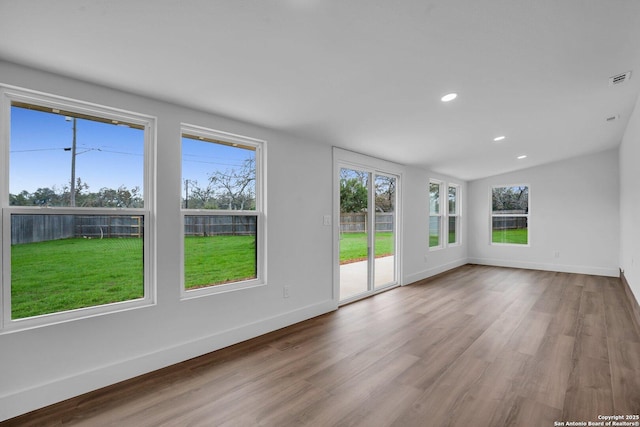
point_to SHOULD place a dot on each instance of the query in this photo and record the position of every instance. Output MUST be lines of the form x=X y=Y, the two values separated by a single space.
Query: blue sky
x=107 y=155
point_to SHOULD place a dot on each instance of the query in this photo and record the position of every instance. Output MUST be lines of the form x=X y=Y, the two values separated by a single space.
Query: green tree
x=46 y=197
x=510 y=199
x=353 y=195
x=122 y=197
x=21 y=199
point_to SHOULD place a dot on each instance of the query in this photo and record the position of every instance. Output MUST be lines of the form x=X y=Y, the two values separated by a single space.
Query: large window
x=222 y=211
x=510 y=215
x=435 y=214
x=453 y=213
x=75 y=198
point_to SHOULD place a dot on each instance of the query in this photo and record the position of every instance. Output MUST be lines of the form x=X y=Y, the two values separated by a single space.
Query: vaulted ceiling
x=365 y=75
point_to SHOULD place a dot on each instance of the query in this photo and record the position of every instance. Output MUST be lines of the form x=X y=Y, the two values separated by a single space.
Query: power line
x=37 y=149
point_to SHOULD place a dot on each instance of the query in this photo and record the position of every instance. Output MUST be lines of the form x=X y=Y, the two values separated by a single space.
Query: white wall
x=630 y=202
x=574 y=210
x=44 y=365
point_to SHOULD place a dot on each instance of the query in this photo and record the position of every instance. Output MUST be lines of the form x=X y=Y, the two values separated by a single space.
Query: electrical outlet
x=426 y=258
x=285 y=292
x=326 y=220
x=556 y=254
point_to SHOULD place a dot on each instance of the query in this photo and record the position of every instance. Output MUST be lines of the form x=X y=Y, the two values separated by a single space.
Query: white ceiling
x=365 y=75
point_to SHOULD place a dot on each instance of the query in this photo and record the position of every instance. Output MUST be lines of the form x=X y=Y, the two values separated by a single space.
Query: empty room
x=320 y=213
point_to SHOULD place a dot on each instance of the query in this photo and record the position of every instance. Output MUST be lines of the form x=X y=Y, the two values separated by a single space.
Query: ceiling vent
x=618 y=79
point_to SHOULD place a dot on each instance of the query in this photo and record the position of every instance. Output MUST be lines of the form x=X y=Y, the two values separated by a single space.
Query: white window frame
x=492 y=215
x=440 y=215
x=457 y=214
x=259 y=212
x=9 y=94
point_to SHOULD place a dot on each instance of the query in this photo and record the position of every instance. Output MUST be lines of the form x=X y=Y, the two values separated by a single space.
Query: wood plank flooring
x=479 y=346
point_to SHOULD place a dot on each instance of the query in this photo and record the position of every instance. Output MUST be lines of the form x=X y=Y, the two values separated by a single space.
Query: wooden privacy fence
x=31 y=228
x=39 y=228
x=509 y=222
x=217 y=225
x=357 y=222
x=108 y=226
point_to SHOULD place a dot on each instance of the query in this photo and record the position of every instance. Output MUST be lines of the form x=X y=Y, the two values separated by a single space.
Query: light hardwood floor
x=479 y=346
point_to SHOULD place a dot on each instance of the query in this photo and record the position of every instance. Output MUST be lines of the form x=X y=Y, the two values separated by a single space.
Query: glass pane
x=66 y=262
x=219 y=249
x=58 y=160
x=510 y=200
x=354 y=247
x=434 y=231
x=453 y=200
x=384 y=271
x=453 y=229
x=434 y=198
x=510 y=229
x=217 y=175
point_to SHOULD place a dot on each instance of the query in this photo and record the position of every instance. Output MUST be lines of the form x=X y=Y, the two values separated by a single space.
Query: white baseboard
x=434 y=271
x=579 y=269
x=23 y=401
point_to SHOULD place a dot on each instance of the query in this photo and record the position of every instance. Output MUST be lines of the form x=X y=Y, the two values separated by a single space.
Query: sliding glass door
x=368 y=225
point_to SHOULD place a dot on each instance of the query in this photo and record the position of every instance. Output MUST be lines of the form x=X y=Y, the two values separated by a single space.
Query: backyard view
x=66 y=274
x=510 y=215
x=220 y=203
x=61 y=260
x=354 y=216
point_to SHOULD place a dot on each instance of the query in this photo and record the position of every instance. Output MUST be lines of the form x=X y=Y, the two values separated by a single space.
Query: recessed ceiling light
x=522 y=157
x=499 y=138
x=449 y=97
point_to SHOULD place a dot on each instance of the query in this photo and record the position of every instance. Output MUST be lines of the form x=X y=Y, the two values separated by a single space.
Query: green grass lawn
x=353 y=246
x=60 y=275
x=234 y=260
x=518 y=236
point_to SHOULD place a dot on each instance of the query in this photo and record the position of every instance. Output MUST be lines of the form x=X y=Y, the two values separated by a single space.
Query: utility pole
x=186 y=193
x=72 y=196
